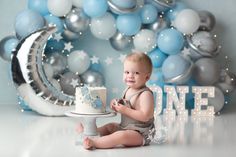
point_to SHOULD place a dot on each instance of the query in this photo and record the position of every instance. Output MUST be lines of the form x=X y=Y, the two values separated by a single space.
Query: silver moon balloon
x=30 y=79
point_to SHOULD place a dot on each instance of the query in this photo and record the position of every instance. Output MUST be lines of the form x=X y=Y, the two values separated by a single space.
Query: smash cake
x=90 y=100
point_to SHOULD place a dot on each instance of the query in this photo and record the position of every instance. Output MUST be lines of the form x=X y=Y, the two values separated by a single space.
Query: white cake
x=90 y=100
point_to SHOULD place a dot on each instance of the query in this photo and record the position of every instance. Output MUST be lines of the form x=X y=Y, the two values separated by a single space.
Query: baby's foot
x=80 y=128
x=88 y=143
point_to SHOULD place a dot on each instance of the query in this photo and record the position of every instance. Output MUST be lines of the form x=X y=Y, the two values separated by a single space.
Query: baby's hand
x=119 y=107
x=113 y=103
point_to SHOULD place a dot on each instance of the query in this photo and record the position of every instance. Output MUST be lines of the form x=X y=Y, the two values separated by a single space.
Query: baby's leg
x=108 y=129
x=124 y=137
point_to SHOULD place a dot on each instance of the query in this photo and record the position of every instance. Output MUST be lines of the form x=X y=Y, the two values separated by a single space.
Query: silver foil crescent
x=27 y=69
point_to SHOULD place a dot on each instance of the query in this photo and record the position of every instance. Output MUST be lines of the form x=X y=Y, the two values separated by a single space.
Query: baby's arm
x=144 y=109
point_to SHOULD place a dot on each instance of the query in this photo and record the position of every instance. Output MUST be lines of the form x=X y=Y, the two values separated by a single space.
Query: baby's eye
x=137 y=73
x=126 y=72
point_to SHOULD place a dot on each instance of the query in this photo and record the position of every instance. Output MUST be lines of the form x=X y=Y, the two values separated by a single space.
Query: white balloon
x=78 y=61
x=145 y=40
x=103 y=27
x=77 y=3
x=187 y=21
x=59 y=7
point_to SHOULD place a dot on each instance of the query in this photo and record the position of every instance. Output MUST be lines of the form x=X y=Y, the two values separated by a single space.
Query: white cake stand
x=89 y=121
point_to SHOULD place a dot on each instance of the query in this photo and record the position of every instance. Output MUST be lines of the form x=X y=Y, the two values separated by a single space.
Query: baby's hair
x=142 y=58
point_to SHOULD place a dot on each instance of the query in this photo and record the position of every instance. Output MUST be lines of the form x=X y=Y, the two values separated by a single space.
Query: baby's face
x=135 y=75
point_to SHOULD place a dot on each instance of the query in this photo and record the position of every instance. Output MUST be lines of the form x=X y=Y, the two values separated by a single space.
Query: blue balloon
x=54 y=46
x=54 y=21
x=27 y=22
x=174 y=65
x=157 y=57
x=124 y=3
x=40 y=6
x=157 y=78
x=148 y=14
x=170 y=41
x=95 y=8
x=129 y=24
x=96 y=67
x=191 y=82
x=189 y=104
x=7 y=45
x=172 y=13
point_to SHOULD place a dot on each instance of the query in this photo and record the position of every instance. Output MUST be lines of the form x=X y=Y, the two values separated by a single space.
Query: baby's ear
x=148 y=76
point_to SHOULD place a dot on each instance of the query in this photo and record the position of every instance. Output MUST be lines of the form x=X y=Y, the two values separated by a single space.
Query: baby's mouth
x=130 y=81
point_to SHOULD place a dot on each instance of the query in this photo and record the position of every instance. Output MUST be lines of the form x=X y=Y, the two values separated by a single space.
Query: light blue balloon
x=54 y=21
x=124 y=3
x=7 y=45
x=128 y=24
x=148 y=14
x=174 y=66
x=39 y=5
x=170 y=41
x=173 y=12
x=156 y=78
x=95 y=8
x=157 y=57
x=27 y=22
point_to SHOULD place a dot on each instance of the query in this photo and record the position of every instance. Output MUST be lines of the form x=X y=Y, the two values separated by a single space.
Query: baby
x=136 y=108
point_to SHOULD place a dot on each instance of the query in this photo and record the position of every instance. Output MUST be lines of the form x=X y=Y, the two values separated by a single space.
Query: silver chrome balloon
x=159 y=25
x=227 y=81
x=69 y=35
x=162 y=5
x=197 y=51
x=76 y=20
x=116 y=9
x=207 y=20
x=121 y=42
x=92 y=78
x=27 y=71
x=182 y=78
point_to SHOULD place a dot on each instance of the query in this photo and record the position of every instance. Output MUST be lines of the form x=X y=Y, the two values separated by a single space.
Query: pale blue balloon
x=156 y=78
x=148 y=14
x=95 y=8
x=129 y=24
x=124 y=3
x=173 y=12
x=170 y=41
x=54 y=21
x=39 y=6
x=7 y=45
x=174 y=65
x=157 y=57
x=78 y=61
x=27 y=22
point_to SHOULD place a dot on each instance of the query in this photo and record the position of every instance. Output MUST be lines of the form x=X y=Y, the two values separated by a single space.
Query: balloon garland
x=178 y=39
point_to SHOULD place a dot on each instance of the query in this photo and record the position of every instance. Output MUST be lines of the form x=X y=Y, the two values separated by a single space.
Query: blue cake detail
x=96 y=102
